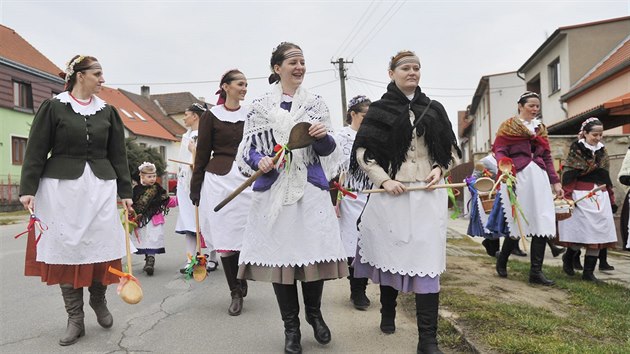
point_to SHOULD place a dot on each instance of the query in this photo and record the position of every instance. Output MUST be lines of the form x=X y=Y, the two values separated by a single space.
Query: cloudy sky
x=186 y=45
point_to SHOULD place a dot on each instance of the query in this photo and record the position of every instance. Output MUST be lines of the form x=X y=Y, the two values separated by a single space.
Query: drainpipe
x=566 y=113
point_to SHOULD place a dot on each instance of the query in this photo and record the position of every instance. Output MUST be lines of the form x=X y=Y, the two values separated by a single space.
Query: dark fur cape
x=386 y=131
x=149 y=201
x=585 y=166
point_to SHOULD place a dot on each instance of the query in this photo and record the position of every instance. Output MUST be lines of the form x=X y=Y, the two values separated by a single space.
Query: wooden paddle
x=199 y=269
x=420 y=188
x=298 y=138
x=590 y=194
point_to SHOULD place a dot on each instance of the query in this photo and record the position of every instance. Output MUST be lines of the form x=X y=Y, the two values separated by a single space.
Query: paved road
x=179 y=316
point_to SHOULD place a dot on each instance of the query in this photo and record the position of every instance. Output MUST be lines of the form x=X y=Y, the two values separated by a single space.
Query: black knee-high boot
x=312 y=293
x=357 y=289
x=504 y=255
x=537 y=251
x=577 y=265
x=289 y=310
x=230 y=268
x=589 y=268
x=491 y=246
x=603 y=260
x=567 y=262
x=427 y=318
x=388 y=309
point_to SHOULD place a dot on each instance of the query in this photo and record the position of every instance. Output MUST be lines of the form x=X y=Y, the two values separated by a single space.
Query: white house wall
x=505 y=89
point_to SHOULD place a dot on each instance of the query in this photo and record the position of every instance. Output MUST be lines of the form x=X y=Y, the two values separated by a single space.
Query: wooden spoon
x=298 y=138
x=199 y=269
x=131 y=292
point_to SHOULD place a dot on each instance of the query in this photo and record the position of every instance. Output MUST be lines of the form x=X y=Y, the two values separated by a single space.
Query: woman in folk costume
x=591 y=224
x=405 y=140
x=216 y=175
x=151 y=203
x=349 y=209
x=73 y=191
x=186 y=224
x=522 y=140
x=292 y=232
x=624 y=178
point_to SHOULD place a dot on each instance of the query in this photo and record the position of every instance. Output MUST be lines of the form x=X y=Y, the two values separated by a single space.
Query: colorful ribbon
x=124 y=278
x=342 y=192
x=200 y=260
x=34 y=221
x=285 y=156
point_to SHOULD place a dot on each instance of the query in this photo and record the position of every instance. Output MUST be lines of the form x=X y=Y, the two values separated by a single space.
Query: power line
x=324 y=84
x=204 y=82
x=360 y=23
x=368 y=38
x=436 y=88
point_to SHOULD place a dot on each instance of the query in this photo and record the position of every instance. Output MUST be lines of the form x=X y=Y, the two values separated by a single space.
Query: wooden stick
x=182 y=162
x=243 y=186
x=127 y=245
x=600 y=188
x=419 y=188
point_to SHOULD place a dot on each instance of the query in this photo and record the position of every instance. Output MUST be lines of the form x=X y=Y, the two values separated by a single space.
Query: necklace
x=81 y=102
x=231 y=109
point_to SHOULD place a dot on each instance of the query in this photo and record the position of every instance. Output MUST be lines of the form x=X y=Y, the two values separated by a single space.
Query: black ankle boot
x=555 y=251
x=567 y=262
x=312 y=293
x=149 y=264
x=537 y=251
x=576 y=260
x=589 y=268
x=603 y=260
x=427 y=318
x=287 y=298
x=388 y=309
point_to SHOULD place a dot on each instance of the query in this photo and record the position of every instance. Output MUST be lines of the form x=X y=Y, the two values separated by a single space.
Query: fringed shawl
x=386 y=131
x=149 y=201
x=586 y=165
x=513 y=131
x=268 y=124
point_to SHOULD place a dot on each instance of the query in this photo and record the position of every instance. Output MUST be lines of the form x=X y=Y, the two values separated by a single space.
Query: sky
x=187 y=45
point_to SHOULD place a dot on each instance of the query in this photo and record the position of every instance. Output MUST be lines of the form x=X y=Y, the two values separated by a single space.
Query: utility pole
x=342 y=81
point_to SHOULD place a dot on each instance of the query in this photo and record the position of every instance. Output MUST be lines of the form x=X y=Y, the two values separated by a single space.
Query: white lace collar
x=224 y=115
x=591 y=147
x=347 y=130
x=531 y=125
x=96 y=105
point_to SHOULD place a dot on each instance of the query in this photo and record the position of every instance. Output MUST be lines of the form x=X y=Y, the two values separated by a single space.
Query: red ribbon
x=344 y=191
x=31 y=227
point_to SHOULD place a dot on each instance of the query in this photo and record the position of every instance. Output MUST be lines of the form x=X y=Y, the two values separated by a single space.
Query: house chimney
x=145 y=91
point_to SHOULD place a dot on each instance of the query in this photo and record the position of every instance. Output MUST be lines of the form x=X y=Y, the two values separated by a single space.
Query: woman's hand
x=317 y=130
x=265 y=164
x=434 y=176
x=28 y=201
x=126 y=203
x=557 y=188
x=394 y=187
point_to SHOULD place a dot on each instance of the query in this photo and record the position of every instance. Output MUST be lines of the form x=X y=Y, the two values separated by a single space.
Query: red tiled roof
x=15 y=48
x=149 y=127
x=151 y=108
x=623 y=100
x=176 y=102
x=616 y=58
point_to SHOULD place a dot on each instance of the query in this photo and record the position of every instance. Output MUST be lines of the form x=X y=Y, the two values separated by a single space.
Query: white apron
x=305 y=232
x=405 y=234
x=589 y=224
x=349 y=211
x=186 y=217
x=84 y=226
x=535 y=197
x=224 y=229
x=151 y=236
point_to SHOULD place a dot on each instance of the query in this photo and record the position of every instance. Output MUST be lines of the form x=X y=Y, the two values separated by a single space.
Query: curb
x=449 y=317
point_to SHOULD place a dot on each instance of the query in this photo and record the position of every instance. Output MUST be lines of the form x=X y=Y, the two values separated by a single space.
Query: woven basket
x=563 y=208
x=487 y=204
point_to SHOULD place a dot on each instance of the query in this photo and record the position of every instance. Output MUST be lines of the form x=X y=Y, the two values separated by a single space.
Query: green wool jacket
x=62 y=141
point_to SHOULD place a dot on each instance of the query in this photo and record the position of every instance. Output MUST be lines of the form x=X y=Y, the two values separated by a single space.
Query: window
x=163 y=152
x=126 y=113
x=139 y=116
x=18 y=149
x=554 y=76
x=22 y=95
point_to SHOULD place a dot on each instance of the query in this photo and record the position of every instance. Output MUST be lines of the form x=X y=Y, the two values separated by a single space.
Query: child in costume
x=151 y=202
